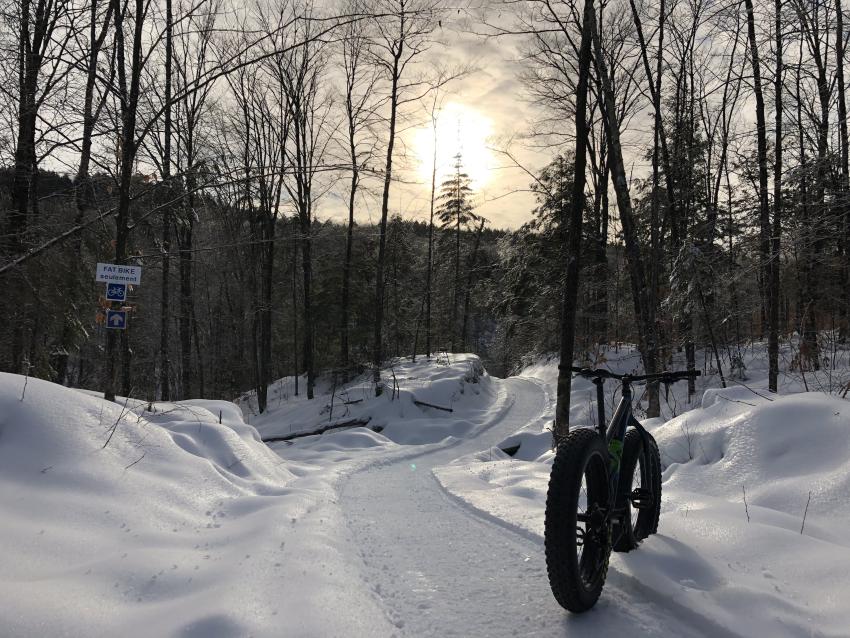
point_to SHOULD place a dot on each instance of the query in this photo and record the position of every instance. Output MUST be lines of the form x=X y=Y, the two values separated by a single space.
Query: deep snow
x=180 y=526
x=184 y=526
x=760 y=577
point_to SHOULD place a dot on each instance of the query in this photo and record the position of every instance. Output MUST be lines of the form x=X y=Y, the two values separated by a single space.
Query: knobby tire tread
x=568 y=468
x=627 y=538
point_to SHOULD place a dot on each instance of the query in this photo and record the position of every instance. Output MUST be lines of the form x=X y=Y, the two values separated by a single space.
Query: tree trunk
x=295 y=367
x=307 y=268
x=456 y=295
x=773 y=295
x=430 y=266
x=570 y=294
x=345 y=318
x=468 y=293
x=164 y=338
x=184 y=241
x=844 y=207
x=761 y=133
x=129 y=101
x=266 y=287
x=601 y=258
x=378 y=353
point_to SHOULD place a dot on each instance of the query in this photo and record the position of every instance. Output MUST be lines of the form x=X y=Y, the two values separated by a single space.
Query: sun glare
x=459 y=129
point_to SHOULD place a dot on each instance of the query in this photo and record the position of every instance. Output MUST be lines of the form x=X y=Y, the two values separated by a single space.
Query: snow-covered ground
x=746 y=569
x=176 y=520
x=122 y=522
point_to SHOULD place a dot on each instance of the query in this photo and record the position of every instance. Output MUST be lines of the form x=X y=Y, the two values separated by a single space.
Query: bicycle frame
x=615 y=434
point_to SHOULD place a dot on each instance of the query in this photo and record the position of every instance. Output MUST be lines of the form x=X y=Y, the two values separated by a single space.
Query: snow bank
x=459 y=394
x=747 y=577
x=120 y=521
x=777 y=450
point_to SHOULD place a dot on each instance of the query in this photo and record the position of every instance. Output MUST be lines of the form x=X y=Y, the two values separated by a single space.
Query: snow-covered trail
x=438 y=569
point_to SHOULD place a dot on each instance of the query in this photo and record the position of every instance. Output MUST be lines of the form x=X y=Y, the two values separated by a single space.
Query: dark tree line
x=696 y=200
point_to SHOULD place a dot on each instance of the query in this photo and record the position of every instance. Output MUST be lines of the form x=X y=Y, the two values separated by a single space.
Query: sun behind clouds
x=460 y=129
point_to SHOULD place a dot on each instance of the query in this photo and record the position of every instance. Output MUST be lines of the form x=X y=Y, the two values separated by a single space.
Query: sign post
x=117 y=277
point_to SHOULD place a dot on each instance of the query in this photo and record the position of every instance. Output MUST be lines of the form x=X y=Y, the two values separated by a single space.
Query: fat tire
x=654 y=462
x=583 y=451
x=637 y=449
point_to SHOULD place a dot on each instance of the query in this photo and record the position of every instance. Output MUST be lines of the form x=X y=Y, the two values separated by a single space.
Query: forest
x=689 y=192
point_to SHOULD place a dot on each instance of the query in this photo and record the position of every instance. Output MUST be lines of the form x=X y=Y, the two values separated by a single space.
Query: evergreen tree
x=456 y=212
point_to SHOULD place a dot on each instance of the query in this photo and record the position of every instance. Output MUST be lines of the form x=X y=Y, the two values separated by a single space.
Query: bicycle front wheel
x=577 y=532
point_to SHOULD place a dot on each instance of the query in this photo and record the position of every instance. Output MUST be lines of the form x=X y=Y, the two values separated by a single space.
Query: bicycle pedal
x=641 y=498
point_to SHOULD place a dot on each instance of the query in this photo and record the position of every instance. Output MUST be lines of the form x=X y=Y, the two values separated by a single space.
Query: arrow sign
x=116 y=292
x=116 y=319
x=119 y=273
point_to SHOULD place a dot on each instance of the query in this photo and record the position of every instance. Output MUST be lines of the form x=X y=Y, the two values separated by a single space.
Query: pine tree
x=456 y=212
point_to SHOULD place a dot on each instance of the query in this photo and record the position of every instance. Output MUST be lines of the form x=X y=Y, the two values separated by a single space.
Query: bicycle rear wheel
x=577 y=533
x=639 y=493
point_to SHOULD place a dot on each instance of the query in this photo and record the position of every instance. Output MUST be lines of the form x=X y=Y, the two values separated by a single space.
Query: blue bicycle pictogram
x=116 y=292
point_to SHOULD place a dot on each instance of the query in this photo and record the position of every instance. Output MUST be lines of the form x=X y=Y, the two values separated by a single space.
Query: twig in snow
x=689 y=439
x=806 y=512
x=118 y=420
x=333 y=395
x=396 y=390
x=746 y=508
x=136 y=461
x=26 y=381
x=720 y=396
x=754 y=392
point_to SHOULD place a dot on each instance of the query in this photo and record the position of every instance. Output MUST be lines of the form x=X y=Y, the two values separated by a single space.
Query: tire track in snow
x=438 y=571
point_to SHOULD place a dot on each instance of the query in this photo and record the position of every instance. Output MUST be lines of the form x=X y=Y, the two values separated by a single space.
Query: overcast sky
x=488 y=107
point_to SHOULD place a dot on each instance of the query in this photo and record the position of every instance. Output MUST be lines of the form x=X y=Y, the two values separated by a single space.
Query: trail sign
x=116 y=292
x=119 y=273
x=116 y=319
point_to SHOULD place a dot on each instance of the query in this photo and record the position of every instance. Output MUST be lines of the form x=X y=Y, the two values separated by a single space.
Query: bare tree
x=647 y=332
x=300 y=73
x=570 y=299
x=98 y=28
x=403 y=35
x=844 y=189
x=360 y=103
x=193 y=62
x=43 y=33
x=429 y=266
x=815 y=36
x=773 y=293
x=761 y=137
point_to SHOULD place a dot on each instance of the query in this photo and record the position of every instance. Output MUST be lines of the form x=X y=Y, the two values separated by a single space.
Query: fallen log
x=351 y=423
x=431 y=405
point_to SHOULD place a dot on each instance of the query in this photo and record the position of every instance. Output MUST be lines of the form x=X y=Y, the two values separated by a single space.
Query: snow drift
x=120 y=521
x=423 y=402
x=744 y=569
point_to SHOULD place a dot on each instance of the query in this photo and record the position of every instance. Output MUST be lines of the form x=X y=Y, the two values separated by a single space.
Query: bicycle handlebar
x=664 y=377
